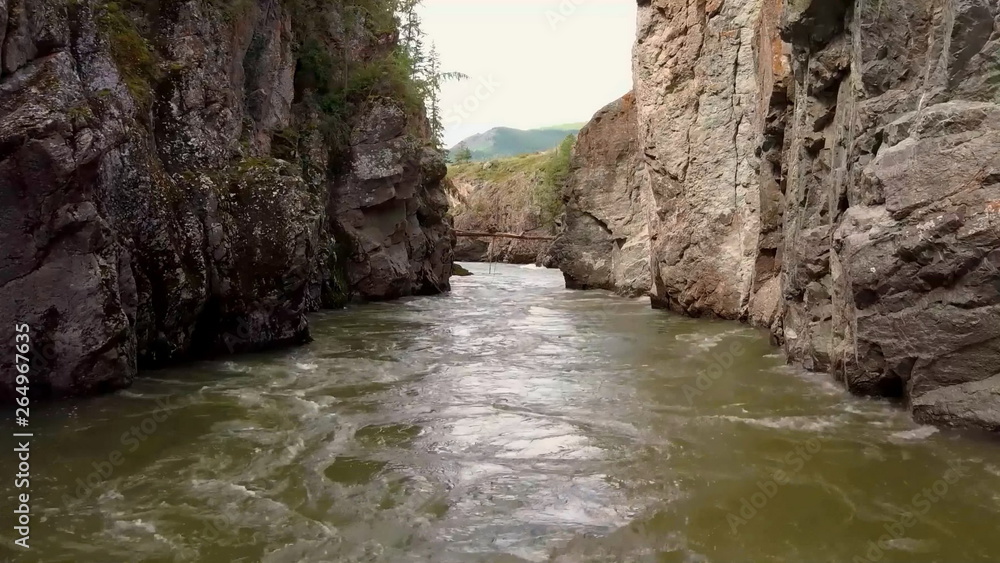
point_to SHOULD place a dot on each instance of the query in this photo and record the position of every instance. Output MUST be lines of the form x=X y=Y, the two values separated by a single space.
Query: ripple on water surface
x=511 y=420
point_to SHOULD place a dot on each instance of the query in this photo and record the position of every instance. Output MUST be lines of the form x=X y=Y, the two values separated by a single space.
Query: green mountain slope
x=569 y=127
x=505 y=141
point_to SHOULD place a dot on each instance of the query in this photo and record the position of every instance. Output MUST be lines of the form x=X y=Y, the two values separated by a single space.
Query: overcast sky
x=531 y=63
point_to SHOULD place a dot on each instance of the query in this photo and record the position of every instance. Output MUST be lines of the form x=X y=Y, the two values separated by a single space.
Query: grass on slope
x=514 y=194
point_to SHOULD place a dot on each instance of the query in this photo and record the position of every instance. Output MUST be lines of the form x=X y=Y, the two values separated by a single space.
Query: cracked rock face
x=890 y=273
x=604 y=242
x=697 y=92
x=830 y=169
x=154 y=208
x=392 y=208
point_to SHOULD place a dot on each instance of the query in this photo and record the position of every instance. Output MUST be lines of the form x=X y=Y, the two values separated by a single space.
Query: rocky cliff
x=891 y=232
x=518 y=194
x=192 y=177
x=604 y=240
x=830 y=170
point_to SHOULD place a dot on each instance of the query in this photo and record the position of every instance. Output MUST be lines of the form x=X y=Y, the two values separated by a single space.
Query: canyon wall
x=891 y=231
x=698 y=94
x=516 y=195
x=604 y=239
x=187 y=178
x=829 y=170
x=502 y=205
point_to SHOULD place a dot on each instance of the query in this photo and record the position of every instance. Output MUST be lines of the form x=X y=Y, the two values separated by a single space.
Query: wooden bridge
x=522 y=236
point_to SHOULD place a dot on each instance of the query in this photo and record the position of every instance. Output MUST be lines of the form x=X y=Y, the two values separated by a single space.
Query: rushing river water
x=511 y=420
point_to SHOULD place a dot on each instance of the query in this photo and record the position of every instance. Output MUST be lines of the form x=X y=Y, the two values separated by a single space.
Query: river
x=511 y=420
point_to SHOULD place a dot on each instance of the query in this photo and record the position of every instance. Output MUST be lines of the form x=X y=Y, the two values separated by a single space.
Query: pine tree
x=463 y=154
x=411 y=35
x=425 y=67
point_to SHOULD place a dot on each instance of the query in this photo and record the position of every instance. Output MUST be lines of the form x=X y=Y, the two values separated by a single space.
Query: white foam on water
x=919 y=433
x=241 y=489
x=247 y=396
x=703 y=341
x=109 y=495
x=236 y=367
x=543 y=311
x=222 y=486
x=821 y=381
x=296 y=448
x=855 y=409
x=743 y=332
x=911 y=545
x=803 y=423
x=124 y=526
x=310 y=407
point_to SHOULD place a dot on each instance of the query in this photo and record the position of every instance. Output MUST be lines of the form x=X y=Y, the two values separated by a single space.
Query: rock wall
x=697 y=91
x=891 y=239
x=505 y=195
x=830 y=169
x=170 y=187
x=604 y=240
x=505 y=251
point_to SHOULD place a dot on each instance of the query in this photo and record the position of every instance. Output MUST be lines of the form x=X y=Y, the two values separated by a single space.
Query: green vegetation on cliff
x=340 y=82
x=548 y=192
x=516 y=194
x=133 y=54
x=347 y=54
x=353 y=59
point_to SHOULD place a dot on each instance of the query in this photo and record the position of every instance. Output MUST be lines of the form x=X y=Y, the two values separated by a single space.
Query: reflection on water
x=509 y=421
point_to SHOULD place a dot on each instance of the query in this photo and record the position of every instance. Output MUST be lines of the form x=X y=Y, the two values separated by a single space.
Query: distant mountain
x=503 y=141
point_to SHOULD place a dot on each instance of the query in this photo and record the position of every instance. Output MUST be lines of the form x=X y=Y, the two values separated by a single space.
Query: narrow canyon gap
x=231 y=229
